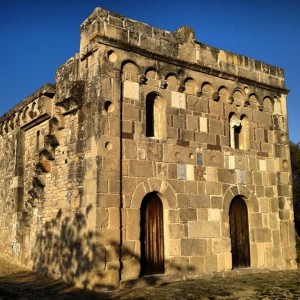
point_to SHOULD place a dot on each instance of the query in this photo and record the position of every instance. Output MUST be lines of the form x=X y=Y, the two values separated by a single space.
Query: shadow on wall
x=66 y=249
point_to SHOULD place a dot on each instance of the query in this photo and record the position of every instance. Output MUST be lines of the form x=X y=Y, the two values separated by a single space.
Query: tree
x=295 y=162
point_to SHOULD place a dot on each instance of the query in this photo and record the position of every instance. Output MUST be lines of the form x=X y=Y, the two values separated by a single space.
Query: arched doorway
x=152 y=236
x=239 y=233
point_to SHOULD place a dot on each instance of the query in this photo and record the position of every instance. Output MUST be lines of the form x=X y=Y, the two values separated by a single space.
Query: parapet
x=31 y=111
x=112 y=29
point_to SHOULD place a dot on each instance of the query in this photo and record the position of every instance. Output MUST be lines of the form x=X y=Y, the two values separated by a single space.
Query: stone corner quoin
x=152 y=153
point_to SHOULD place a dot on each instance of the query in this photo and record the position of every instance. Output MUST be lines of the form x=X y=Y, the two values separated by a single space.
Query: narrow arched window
x=237 y=129
x=150 y=117
x=155 y=116
x=37 y=143
x=234 y=131
x=239 y=132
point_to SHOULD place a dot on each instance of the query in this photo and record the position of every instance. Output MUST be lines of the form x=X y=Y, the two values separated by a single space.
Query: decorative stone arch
x=233 y=192
x=207 y=89
x=223 y=93
x=151 y=72
x=25 y=114
x=267 y=104
x=130 y=71
x=130 y=79
x=132 y=221
x=163 y=189
x=253 y=101
x=240 y=190
x=238 y=97
x=130 y=66
x=190 y=85
x=172 y=78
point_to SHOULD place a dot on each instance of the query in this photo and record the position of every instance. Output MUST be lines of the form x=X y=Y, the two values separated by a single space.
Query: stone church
x=152 y=153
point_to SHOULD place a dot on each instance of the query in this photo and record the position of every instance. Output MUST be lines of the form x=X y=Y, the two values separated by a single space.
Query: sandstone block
x=188 y=214
x=132 y=229
x=216 y=127
x=173 y=216
x=225 y=175
x=199 y=201
x=205 y=138
x=215 y=107
x=213 y=188
x=176 y=231
x=203 y=124
x=138 y=168
x=193 y=247
x=178 y=100
x=108 y=200
x=131 y=268
x=102 y=217
x=131 y=90
x=260 y=235
x=182 y=200
x=190 y=172
x=178 y=263
x=191 y=187
x=221 y=245
x=289 y=253
x=128 y=249
x=154 y=151
x=196 y=264
x=262 y=165
x=213 y=158
x=211 y=263
x=204 y=229
x=130 y=113
x=216 y=201
x=192 y=123
x=255 y=220
x=114 y=217
x=214 y=214
x=202 y=214
x=174 y=247
x=172 y=171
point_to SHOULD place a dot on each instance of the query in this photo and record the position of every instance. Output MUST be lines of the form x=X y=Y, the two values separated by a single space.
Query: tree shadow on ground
x=31 y=285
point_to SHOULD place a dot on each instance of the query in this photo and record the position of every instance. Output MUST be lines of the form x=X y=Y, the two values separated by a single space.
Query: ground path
x=17 y=283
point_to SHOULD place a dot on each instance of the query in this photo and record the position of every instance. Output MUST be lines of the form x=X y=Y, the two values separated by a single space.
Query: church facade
x=152 y=153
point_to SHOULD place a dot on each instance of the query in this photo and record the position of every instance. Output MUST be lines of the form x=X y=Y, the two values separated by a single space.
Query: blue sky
x=38 y=36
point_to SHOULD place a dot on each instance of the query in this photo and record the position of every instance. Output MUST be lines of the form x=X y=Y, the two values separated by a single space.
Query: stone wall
x=144 y=111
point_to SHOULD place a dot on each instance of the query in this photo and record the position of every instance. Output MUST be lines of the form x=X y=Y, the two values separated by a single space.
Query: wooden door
x=152 y=237
x=239 y=233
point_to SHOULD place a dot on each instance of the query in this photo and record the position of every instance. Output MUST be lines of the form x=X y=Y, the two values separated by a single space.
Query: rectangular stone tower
x=152 y=154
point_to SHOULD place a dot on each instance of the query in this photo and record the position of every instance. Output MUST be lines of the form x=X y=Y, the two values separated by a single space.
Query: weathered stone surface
x=204 y=229
x=145 y=123
x=193 y=247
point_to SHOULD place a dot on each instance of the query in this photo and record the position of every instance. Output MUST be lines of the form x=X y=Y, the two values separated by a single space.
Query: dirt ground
x=21 y=284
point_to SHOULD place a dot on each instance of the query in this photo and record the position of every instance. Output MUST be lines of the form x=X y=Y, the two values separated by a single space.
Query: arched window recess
x=239 y=132
x=155 y=116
